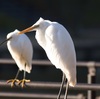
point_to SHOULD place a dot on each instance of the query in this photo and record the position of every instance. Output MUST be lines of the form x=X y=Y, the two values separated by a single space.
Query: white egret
x=21 y=50
x=59 y=47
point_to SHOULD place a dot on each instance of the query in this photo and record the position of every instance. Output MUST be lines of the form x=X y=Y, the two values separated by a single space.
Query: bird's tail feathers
x=28 y=68
x=72 y=81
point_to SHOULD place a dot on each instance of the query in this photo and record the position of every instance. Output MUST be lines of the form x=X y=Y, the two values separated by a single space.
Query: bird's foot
x=12 y=81
x=22 y=82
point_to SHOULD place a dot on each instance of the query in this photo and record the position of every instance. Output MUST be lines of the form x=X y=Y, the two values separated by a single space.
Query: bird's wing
x=26 y=52
x=60 y=49
x=59 y=44
x=21 y=51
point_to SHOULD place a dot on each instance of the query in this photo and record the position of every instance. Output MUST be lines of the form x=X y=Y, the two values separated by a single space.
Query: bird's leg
x=62 y=84
x=66 y=92
x=13 y=81
x=23 y=81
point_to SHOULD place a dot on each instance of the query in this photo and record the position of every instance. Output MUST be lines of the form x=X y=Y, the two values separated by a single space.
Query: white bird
x=21 y=50
x=59 y=47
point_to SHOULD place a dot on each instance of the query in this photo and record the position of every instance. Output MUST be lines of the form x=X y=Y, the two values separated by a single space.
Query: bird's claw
x=13 y=81
x=22 y=82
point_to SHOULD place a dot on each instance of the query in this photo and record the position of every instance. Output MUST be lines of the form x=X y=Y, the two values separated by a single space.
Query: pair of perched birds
x=57 y=43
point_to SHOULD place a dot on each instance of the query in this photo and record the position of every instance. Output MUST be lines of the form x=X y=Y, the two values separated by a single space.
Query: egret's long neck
x=40 y=37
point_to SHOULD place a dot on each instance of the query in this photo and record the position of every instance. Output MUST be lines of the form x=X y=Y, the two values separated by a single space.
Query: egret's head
x=13 y=34
x=10 y=36
x=40 y=24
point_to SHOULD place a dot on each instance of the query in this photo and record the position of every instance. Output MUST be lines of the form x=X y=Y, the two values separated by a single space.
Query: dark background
x=80 y=17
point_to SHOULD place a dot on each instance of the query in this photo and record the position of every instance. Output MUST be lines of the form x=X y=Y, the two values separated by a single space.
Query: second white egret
x=21 y=50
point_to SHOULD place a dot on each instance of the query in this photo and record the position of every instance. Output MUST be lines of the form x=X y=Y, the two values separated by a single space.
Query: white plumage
x=21 y=50
x=58 y=45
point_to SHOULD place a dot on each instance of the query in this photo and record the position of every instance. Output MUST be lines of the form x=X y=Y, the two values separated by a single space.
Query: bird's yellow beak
x=28 y=29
